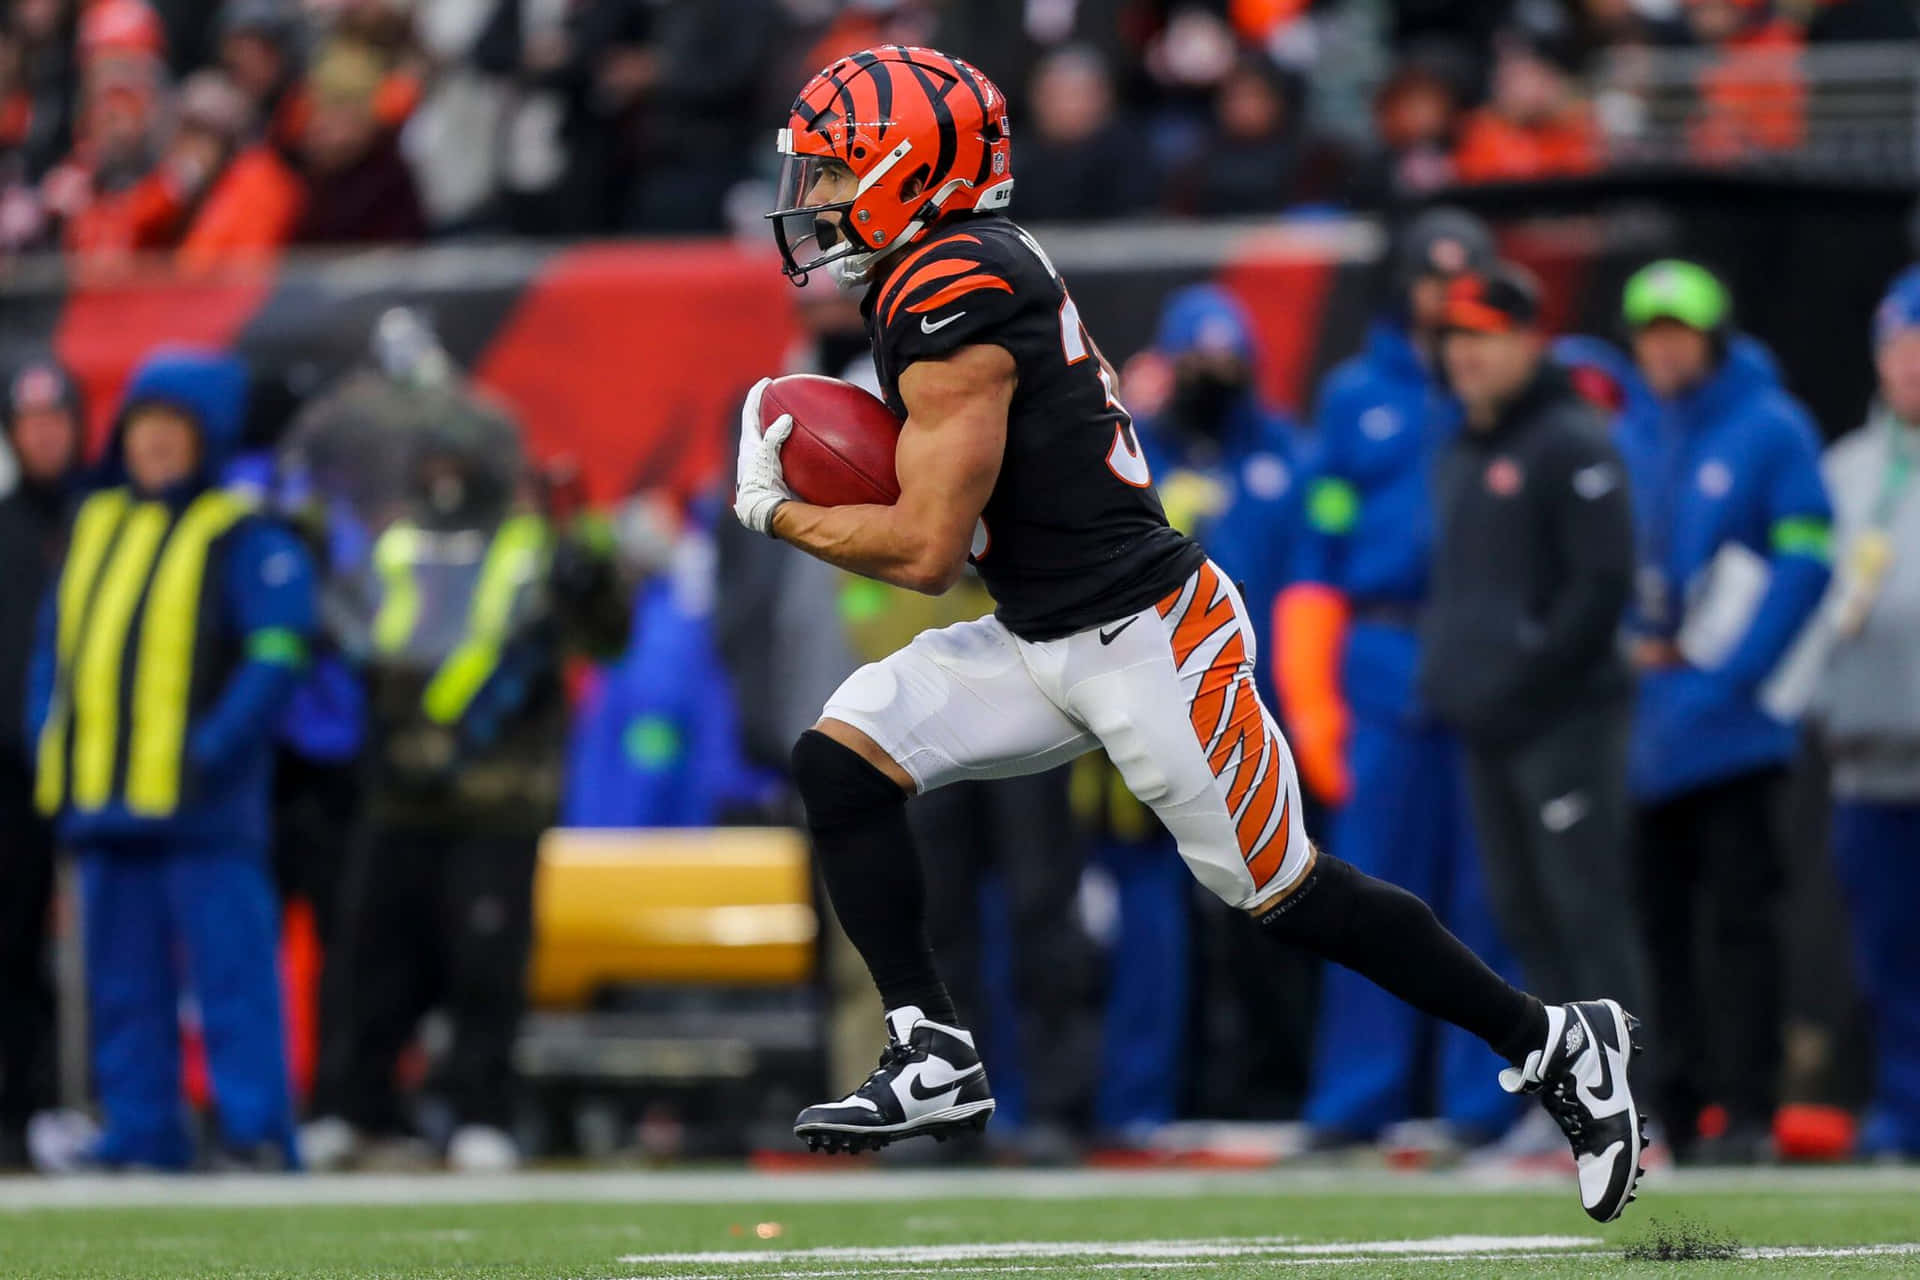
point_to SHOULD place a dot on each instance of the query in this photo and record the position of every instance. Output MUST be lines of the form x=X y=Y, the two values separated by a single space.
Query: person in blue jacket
x=1347 y=651
x=1724 y=466
x=178 y=627
x=657 y=742
x=1225 y=465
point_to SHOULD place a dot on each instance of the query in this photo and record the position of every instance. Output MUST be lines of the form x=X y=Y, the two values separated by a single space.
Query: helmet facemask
x=808 y=238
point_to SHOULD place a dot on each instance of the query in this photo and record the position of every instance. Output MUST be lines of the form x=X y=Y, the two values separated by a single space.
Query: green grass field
x=1297 y=1222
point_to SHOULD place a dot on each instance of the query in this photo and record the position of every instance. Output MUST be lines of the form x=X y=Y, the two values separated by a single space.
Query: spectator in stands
x=44 y=426
x=359 y=189
x=260 y=50
x=124 y=98
x=1870 y=712
x=1724 y=468
x=1185 y=62
x=1538 y=123
x=1252 y=159
x=1752 y=97
x=253 y=197
x=173 y=641
x=1080 y=161
x=155 y=212
x=42 y=33
x=700 y=83
x=1416 y=116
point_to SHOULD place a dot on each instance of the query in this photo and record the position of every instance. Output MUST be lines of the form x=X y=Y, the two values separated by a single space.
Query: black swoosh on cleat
x=1108 y=637
x=913 y=1085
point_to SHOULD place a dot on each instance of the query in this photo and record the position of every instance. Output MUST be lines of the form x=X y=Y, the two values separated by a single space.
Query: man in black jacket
x=41 y=418
x=1532 y=567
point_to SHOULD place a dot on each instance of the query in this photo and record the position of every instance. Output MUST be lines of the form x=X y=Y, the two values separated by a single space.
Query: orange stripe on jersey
x=926 y=275
x=1264 y=862
x=1204 y=617
x=930 y=272
x=891 y=292
x=959 y=289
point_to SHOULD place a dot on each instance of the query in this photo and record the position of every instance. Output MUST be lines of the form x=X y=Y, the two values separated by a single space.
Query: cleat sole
x=970 y=1118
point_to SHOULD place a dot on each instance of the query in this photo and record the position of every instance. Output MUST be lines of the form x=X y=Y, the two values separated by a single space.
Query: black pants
x=1710 y=869
x=314 y=808
x=1021 y=828
x=431 y=919
x=26 y=986
x=1555 y=831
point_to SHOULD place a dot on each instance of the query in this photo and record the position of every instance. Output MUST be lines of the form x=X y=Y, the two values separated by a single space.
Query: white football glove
x=758 y=484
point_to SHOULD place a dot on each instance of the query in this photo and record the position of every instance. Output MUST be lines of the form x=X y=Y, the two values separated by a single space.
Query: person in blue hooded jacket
x=177 y=628
x=1724 y=467
x=1347 y=652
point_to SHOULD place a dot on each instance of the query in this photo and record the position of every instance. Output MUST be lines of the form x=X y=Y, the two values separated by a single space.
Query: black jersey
x=1073 y=535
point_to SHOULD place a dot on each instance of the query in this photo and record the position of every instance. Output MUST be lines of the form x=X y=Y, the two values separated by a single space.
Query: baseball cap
x=1443 y=242
x=1673 y=289
x=1503 y=299
x=1899 y=311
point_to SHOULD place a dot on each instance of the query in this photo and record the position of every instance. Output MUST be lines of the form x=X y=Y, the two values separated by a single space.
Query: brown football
x=841 y=450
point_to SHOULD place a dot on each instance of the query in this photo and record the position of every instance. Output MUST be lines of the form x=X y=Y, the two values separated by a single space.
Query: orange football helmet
x=924 y=134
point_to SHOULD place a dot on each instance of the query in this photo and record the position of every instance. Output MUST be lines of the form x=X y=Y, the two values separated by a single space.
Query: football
x=841 y=450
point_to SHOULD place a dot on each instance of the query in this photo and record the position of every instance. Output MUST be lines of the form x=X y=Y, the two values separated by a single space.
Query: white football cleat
x=1583 y=1078
x=930 y=1081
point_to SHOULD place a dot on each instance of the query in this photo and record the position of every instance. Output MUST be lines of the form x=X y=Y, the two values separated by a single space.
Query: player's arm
x=947 y=462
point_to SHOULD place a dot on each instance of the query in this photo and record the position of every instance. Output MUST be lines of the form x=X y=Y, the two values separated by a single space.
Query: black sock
x=1386 y=934
x=866 y=856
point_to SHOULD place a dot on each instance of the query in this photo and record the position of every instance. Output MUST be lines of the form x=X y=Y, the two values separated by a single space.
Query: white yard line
x=868 y=1185
x=1439 y=1250
x=1259 y=1246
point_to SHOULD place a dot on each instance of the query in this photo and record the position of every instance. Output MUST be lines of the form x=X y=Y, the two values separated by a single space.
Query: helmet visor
x=809 y=225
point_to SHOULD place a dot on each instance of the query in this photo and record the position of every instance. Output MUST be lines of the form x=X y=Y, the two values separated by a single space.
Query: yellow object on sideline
x=723 y=907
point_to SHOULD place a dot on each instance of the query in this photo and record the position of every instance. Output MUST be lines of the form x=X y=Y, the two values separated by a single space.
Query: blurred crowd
x=216 y=132
x=1545 y=620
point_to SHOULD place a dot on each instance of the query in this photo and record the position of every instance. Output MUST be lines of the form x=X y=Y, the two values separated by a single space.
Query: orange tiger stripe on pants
x=1242 y=744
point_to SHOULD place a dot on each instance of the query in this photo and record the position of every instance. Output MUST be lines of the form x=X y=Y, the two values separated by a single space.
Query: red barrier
x=107 y=326
x=633 y=357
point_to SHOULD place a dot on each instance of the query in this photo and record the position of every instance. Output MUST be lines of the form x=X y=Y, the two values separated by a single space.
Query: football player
x=1111 y=629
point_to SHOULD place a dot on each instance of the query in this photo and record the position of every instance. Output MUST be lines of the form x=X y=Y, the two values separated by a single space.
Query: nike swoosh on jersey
x=928 y=326
x=938 y=1087
x=1108 y=637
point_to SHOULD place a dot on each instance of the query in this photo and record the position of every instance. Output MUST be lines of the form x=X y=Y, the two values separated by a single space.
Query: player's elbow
x=932 y=575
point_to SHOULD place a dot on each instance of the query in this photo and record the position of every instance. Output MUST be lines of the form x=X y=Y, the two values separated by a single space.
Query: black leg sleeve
x=1387 y=935
x=872 y=871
